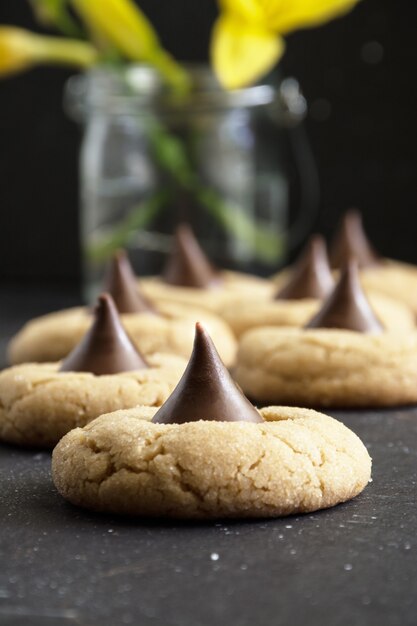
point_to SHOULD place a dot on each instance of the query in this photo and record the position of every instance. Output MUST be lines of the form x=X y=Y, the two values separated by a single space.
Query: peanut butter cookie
x=299 y=295
x=327 y=367
x=208 y=453
x=190 y=278
x=342 y=357
x=41 y=402
x=391 y=278
x=245 y=315
x=297 y=461
x=51 y=337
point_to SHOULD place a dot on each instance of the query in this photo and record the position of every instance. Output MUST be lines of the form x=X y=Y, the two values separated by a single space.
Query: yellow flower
x=122 y=24
x=21 y=49
x=247 y=42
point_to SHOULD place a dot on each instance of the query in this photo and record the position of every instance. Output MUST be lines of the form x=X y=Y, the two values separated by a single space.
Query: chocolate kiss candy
x=351 y=241
x=206 y=390
x=311 y=276
x=106 y=348
x=347 y=306
x=120 y=283
x=187 y=265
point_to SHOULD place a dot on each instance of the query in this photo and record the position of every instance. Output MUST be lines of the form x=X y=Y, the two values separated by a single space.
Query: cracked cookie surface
x=51 y=337
x=38 y=404
x=245 y=315
x=296 y=462
x=327 y=367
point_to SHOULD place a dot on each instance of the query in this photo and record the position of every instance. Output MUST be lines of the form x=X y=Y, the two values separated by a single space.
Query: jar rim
x=133 y=87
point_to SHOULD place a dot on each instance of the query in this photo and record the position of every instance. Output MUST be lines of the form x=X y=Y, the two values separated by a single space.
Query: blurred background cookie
x=299 y=294
x=41 y=402
x=343 y=357
x=189 y=277
x=153 y=326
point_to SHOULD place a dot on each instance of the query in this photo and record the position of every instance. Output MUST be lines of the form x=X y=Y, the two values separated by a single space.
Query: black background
x=358 y=75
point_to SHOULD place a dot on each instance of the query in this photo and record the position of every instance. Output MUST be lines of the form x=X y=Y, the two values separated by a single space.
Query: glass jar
x=150 y=159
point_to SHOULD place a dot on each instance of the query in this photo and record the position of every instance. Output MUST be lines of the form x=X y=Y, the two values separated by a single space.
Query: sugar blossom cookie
x=208 y=453
x=153 y=326
x=380 y=275
x=299 y=296
x=40 y=402
x=189 y=278
x=343 y=357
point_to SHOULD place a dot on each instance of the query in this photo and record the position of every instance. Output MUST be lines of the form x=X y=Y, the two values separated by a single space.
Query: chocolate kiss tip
x=120 y=282
x=187 y=265
x=206 y=390
x=347 y=307
x=351 y=241
x=311 y=276
x=106 y=348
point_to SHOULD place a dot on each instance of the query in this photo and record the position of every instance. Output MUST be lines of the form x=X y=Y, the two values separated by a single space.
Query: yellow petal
x=242 y=52
x=248 y=10
x=16 y=50
x=287 y=15
x=121 y=23
x=20 y=49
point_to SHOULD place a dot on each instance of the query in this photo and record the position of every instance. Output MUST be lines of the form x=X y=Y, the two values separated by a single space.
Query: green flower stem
x=268 y=246
x=170 y=154
x=139 y=216
x=174 y=74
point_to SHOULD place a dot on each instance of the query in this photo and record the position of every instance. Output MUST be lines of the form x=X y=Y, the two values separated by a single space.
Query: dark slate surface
x=353 y=565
